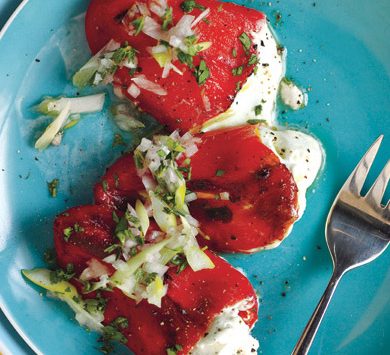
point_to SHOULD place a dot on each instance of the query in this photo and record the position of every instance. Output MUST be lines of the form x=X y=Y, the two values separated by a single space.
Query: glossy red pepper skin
x=120 y=184
x=192 y=302
x=185 y=106
x=262 y=203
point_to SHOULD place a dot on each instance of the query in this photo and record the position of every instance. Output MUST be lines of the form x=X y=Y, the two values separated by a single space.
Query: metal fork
x=357 y=231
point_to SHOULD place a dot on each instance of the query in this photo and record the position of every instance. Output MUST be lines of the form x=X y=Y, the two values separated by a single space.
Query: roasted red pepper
x=187 y=105
x=262 y=194
x=192 y=302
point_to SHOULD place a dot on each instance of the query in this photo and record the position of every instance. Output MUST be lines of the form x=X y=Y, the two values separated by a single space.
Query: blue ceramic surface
x=338 y=50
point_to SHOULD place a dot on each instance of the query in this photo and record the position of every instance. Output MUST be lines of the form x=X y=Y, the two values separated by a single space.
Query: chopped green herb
x=116 y=180
x=62 y=275
x=166 y=18
x=258 y=109
x=253 y=59
x=237 y=71
x=255 y=121
x=115 y=217
x=132 y=71
x=71 y=123
x=220 y=172
x=144 y=277
x=234 y=52
x=139 y=159
x=255 y=69
x=185 y=58
x=245 y=41
x=77 y=228
x=174 y=349
x=125 y=53
x=67 y=233
x=189 y=5
x=53 y=186
x=220 y=8
x=95 y=305
x=201 y=73
x=138 y=24
x=87 y=286
x=49 y=257
x=238 y=85
x=104 y=185
x=180 y=261
x=112 y=332
x=118 y=140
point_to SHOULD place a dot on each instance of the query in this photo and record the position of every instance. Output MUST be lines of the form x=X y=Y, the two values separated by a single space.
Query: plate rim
x=4 y=309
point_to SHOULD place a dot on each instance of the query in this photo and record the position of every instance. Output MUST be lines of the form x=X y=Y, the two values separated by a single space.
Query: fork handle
x=304 y=343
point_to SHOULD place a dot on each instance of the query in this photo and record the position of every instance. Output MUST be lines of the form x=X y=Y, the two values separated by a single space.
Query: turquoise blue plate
x=338 y=50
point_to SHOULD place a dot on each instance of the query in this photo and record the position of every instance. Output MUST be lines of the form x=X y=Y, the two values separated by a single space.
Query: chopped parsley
x=59 y=275
x=118 y=140
x=174 y=349
x=116 y=180
x=220 y=172
x=104 y=185
x=234 y=52
x=237 y=71
x=67 y=233
x=180 y=261
x=49 y=257
x=138 y=24
x=53 y=186
x=245 y=41
x=166 y=18
x=201 y=73
x=185 y=58
x=77 y=228
x=189 y=5
x=95 y=305
x=258 y=109
x=253 y=59
x=255 y=121
x=112 y=332
x=145 y=278
x=125 y=53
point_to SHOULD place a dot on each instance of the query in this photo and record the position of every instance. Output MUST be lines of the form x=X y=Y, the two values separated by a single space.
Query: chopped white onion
x=110 y=259
x=191 y=197
x=94 y=270
x=204 y=14
x=192 y=221
x=148 y=182
x=153 y=29
x=143 y=8
x=158 y=7
x=51 y=131
x=148 y=85
x=133 y=90
x=57 y=139
x=183 y=27
x=158 y=49
x=224 y=196
x=144 y=145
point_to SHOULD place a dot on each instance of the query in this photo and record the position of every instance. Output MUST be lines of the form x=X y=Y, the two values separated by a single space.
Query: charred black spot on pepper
x=223 y=214
x=263 y=174
x=118 y=18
